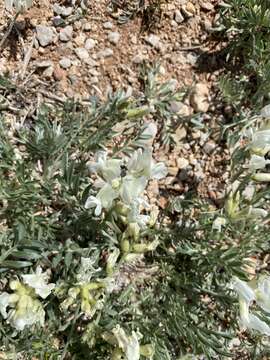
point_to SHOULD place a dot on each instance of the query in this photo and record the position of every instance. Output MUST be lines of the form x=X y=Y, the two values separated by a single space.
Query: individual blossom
x=39 y=282
x=258 y=162
x=248 y=293
x=260 y=143
x=127 y=345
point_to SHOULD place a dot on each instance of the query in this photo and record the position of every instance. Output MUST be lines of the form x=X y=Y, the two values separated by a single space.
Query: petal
x=93 y=202
x=132 y=188
x=107 y=195
x=39 y=283
x=263 y=293
x=159 y=171
x=257 y=324
x=258 y=162
x=4 y=303
x=243 y=290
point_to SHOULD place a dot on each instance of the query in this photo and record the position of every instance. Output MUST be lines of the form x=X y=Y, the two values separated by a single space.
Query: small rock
x=89 y=44
x=108 y=25
x=80 y=40
x=114 y=37
x=199 y=98
x=62 y=10
x=178 y=17
x=87 y=27
x=207 y=6
x=58 y=21
x=189 y=10
x=43 y=63
x=207 y=25
x=82 y=54
x=65 y=63
x=105 y=53
x=67 y=11
x=58 y=73
x=182 y=163
x=179 y=134
x=47 y=73
x=45 y=35
x=163 y=202
x=66 y=34
x=154 y=41
x=94 y=80
x=209 y=147
x=173 y=170
x=138 y=59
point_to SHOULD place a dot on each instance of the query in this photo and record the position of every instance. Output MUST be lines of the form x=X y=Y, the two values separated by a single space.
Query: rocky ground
x=67 y=49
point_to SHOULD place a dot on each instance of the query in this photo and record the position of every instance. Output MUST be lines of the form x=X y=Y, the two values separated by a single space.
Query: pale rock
x=154 y=41
x=89 y=44
x=82 y=54
x=45 y=35
x=108 y=25
x=182 y=163
x=189 y=10
x=199 y=98
x=114 y=37
x=207 y=6
x=178 y=17
x=66 y=33
x=105 y=53
x=65 y=63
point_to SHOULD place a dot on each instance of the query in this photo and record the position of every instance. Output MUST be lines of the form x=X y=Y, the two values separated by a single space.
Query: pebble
x=154 y=41
x=114 y=37
x=45 y=35
x=82 y=54
x=87 y=27
x=207 y=6
x=182 y=163
x=89 y=44
x=43 y=63
x=105 y=53
x=58 y=73
x=178 y=17
x=138 y=59
x=58 y=21
x=62 y=10
x=189 y=10
x=65 y=63
x=108 y=25
x=209 y=147
x=66 y=33
x=199 y=98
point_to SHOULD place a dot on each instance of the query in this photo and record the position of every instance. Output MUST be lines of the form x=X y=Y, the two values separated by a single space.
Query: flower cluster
x=23 y=308
x=121 y=183
x=250 y=292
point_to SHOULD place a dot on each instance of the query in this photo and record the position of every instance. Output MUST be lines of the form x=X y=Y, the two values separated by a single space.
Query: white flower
x=218 y=223
x=142 y=164
x=21 y=308
x=246 y=296
x=258 y=162
x=260 y=144
x=128 y=344
x=39 y=282
x=108 y=169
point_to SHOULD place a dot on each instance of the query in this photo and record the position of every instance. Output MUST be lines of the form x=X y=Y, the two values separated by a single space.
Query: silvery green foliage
x=20 y=5
x=248 y=293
